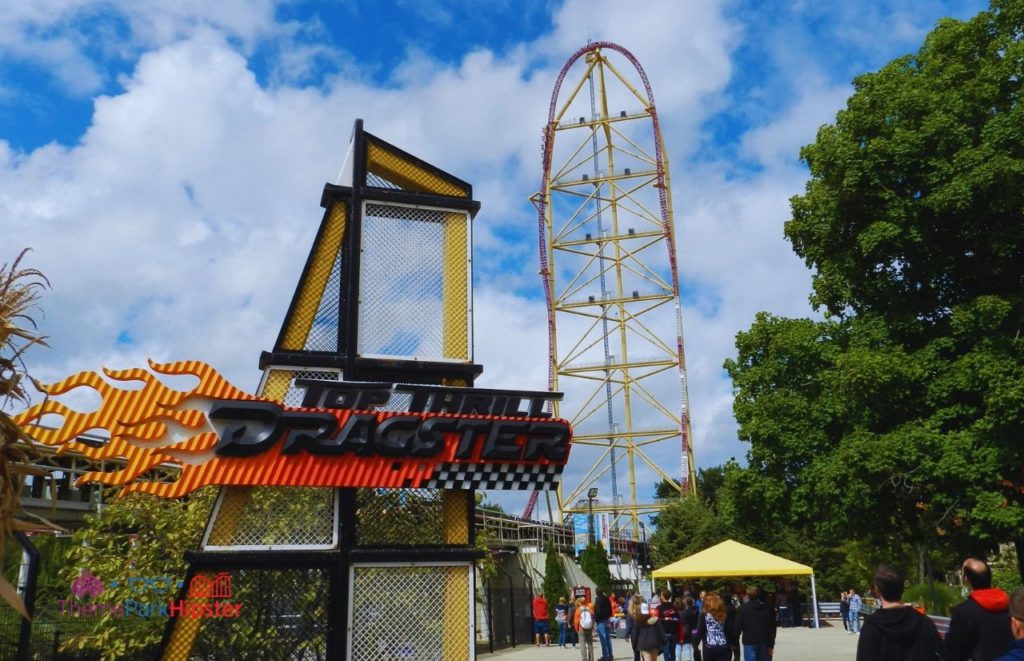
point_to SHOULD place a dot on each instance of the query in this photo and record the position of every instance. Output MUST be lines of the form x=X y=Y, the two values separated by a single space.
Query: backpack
x=586 y=619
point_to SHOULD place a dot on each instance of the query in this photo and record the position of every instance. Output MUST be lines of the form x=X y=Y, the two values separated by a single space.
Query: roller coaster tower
x=608 y=264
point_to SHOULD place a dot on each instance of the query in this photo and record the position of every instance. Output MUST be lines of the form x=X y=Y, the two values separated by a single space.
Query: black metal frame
x=336 y=561
x=354 y=368
x=352 y=197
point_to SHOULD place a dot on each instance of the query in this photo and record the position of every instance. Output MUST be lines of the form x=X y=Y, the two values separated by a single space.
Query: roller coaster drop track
x=569 y=204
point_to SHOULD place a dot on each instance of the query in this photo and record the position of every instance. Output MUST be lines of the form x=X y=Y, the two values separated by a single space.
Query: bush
x=937 y=598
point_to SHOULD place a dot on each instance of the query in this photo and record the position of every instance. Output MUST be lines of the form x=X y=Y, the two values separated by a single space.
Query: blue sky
x=164 y=160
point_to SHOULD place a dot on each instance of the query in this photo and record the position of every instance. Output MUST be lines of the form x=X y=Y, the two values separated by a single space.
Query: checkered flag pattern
x=509 y=477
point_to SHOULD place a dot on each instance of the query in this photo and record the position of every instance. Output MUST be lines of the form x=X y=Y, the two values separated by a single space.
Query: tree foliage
x=594 y=563
x=685 y=527
x=895 y=420
x=554 y=581
x=137 y=535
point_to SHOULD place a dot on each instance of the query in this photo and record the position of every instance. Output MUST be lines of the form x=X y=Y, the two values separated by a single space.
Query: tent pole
x=814 y=599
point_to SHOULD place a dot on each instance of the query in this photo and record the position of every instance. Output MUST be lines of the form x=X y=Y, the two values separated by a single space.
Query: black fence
x=510 y=617
x=53 y=634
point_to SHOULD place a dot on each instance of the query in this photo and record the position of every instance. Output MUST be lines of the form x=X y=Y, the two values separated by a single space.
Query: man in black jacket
x=979 y=628
x=668 y=620
x=756 y=627
x=602 y=613
x=896 y=631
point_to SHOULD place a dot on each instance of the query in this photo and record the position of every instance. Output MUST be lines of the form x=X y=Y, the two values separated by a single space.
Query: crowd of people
x=691 y=626
x=987 y=626
x=707 y=626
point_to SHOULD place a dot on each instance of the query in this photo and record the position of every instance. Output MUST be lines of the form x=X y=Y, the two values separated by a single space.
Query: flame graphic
x=156 y=424
x=148 y=426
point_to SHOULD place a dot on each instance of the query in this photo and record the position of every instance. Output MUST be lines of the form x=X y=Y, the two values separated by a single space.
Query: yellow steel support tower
x=608 y=262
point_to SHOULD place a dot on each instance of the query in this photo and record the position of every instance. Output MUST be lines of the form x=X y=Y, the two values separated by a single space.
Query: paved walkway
x=830 y=643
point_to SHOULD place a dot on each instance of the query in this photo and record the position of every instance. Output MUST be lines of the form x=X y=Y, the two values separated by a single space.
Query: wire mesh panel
x=414 y=283
x=411 y=612
x=295 y=395
x=312 y=322
x=275 y=614
x=400 y=517
x=273 y=517
x=323 y=333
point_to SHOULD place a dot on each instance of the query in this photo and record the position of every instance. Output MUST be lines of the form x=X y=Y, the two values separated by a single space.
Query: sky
x=164 y=159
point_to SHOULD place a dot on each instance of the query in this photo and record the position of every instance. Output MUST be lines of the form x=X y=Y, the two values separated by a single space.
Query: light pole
x=591 y=495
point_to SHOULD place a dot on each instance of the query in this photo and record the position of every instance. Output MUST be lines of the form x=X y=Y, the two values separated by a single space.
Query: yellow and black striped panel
x=314 y=284
x=410 y=175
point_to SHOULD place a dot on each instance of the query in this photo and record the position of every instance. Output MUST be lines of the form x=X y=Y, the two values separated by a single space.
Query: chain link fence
x=52 y=635
x=279 y=517
x=410 y=613
x=283 y=616
x=400 y=517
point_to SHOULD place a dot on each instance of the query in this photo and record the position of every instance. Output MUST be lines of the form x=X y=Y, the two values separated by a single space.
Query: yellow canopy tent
x=732 y=559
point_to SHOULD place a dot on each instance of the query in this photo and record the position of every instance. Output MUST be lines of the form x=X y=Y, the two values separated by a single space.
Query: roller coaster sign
x=344 y=434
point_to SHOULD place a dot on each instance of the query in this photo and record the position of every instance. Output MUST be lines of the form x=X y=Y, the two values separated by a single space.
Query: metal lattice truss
x=412 y=612
x=609 y=268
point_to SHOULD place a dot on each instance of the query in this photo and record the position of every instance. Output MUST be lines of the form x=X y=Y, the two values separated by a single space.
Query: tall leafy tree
x=685 y=527
x=594 y=563
x=897 y=418
x=554 y=581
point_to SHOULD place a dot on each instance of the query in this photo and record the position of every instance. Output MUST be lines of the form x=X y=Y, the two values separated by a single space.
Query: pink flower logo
x=86 y=585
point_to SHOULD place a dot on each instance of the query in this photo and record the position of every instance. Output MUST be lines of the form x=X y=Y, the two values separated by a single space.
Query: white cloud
x=182 y=219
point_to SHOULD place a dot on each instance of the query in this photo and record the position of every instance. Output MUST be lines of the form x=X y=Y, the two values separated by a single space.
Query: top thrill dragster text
x=345 y=434
x=492 y=433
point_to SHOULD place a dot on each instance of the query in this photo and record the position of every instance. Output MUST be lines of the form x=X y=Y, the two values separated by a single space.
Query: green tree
x=709 y=481
x=896 y=419
x=685 y=527
x=594 y=563
x=137 y=535
x=554 y=581
x=914 y=217
x=667 y=489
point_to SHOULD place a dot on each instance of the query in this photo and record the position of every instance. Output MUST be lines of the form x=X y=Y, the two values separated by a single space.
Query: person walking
x=584 y=623
x=855 y=604
x=731 y=635
x=688 y=630
x=979 y=628
x=844 y=609
x=573 y=636
x=668 y=618
x=602 y=613
x=711 y=636
x=756 y=625
x=634 y=615
x=562 y=620
x=648 y=634
x=1016 y=609
x=541 y=628
x=896 y=631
